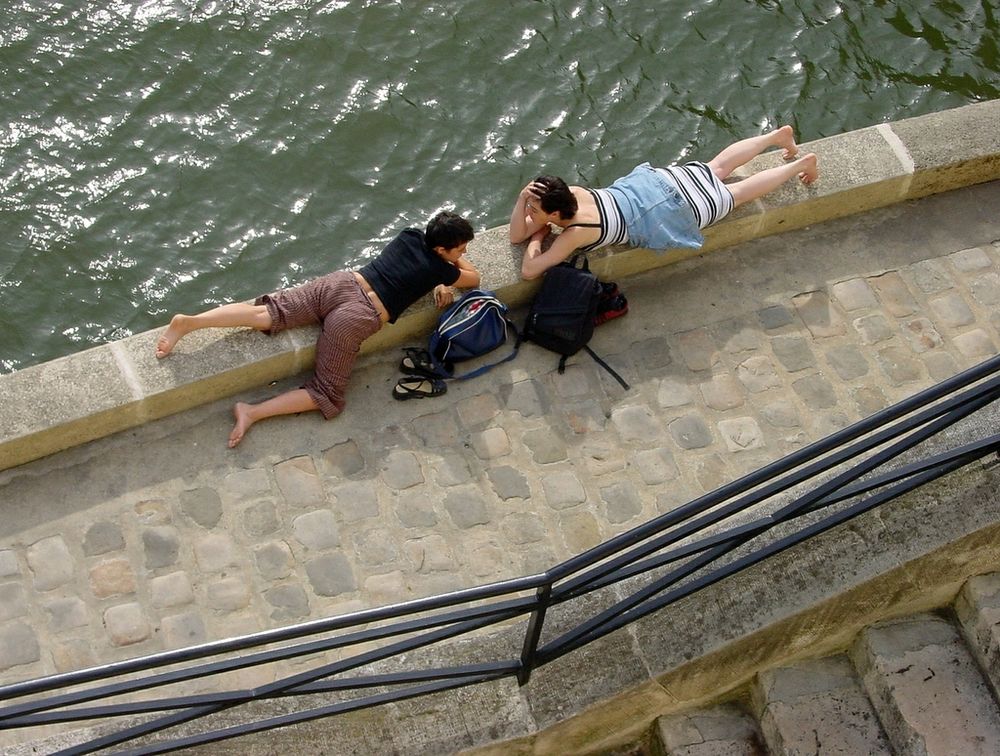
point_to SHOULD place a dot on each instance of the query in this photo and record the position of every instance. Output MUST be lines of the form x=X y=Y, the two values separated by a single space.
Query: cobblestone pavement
x=161 y=537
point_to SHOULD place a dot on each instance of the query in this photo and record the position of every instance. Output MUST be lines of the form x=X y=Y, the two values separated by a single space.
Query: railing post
x=533 y=633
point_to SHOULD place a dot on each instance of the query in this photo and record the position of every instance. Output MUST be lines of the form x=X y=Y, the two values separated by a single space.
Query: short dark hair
x=448 y=230
x=557 y=197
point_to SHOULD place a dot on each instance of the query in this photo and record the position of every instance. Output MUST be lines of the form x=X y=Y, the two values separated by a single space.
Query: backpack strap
x=603 y=364
x=599 y=361
x=484 y=368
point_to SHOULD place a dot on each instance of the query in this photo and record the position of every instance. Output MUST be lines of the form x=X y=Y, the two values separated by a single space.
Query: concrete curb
x=100 y=391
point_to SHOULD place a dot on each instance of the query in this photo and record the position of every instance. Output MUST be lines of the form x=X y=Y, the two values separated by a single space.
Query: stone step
x=724 y=730
x=930 y=694
x=978 y=610
x=817 y=707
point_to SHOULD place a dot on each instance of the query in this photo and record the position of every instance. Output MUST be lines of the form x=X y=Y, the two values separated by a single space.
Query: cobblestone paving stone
x=505 y=476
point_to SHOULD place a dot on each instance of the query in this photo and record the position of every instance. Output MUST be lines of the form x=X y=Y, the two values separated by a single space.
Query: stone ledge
x=66 y=402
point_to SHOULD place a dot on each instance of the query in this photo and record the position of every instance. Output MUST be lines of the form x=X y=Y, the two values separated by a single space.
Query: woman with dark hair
x=349 y=306
x=654 y=208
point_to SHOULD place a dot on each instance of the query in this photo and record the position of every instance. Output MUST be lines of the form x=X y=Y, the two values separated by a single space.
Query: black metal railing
x=639 y=572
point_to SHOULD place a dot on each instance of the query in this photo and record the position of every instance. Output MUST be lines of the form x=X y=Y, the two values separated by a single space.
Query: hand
x=531 y=191
x=443 y=296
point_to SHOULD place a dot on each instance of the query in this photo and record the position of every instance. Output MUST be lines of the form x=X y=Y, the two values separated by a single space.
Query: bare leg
x=236 y=315
x=761 y=183
x=289 y=403
x=745 y=150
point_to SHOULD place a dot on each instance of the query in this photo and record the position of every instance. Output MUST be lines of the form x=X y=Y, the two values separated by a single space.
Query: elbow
x=469 y=277
x=515 y=238
x=528 y=274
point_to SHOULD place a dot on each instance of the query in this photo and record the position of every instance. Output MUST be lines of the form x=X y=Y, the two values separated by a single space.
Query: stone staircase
x=922 y=684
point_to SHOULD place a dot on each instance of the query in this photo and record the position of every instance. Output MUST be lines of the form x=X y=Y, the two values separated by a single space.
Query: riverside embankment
x=129 y=527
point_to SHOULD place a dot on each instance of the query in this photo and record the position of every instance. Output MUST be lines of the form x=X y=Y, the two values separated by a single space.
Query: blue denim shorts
x=655 y=213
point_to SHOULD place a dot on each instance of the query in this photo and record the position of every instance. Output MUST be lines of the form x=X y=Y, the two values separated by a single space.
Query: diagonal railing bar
x=871 y=423
x=598 y=626
x=326 y=670
x=881 y=457
x=267 y=637
x=951 y=460
x=264 y=657
x=625 y=608
x=301 y=717
x=726 y=538
x=836 y=482
x=962 y=454
x=552 y=651
x=863 y=452
x=901 y=488
x=592 y=626
x=769 y=491
x=790 y=479
x=500 y=668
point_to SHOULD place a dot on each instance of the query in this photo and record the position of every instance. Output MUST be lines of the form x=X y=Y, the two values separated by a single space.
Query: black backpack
x=561 y=317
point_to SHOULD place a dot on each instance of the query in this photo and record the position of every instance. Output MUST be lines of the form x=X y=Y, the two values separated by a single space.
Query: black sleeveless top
x=407 y=270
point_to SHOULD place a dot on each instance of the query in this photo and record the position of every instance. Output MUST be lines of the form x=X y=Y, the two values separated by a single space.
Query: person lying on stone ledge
x=349 y=306
x=653 y=208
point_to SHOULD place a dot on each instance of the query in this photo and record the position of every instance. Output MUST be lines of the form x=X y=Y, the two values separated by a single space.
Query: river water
x=167 y=156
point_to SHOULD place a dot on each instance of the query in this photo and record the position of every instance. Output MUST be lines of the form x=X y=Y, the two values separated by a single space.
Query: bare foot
x=170 y=337
x=241 y=412
x=786 y=140
x=810 y=169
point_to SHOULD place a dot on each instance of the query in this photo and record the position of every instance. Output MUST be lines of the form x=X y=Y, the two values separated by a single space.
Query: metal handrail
x=691 y=543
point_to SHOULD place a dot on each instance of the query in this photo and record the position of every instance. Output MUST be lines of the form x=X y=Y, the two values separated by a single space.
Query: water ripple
x=172 y=154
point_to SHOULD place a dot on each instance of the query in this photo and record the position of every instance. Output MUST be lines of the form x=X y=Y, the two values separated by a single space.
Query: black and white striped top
x=707 y=196
x=611 y=225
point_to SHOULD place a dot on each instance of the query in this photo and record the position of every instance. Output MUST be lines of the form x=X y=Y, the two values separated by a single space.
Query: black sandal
x=418 y=387
x=418 y=362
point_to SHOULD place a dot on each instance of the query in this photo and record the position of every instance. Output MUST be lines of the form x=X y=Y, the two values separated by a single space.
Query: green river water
x=167 y=156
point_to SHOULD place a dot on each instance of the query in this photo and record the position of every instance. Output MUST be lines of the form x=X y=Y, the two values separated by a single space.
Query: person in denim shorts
x=653 y=208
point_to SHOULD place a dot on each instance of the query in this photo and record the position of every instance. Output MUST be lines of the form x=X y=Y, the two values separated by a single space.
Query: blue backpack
x=473 y=326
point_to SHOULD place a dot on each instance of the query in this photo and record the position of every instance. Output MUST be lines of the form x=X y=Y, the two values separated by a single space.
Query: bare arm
x=521 y=226
x=468 y=278
x=535 y=262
